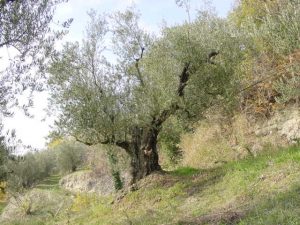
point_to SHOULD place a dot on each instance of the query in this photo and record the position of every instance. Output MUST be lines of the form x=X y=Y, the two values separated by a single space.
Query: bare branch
x=122 y=144
x=139 y=75
x=183 y=79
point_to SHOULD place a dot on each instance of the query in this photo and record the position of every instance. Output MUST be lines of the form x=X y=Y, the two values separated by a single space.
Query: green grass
x=2 y=206
x=185 y=171
x=257 y=191
x=282 y=208
x=49 y=183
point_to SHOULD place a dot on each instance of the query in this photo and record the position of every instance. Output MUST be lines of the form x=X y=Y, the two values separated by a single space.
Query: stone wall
x=87 y=181
x=219 y=139
x=284 y=124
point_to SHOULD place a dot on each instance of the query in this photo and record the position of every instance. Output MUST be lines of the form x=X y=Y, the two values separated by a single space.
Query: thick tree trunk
x=144 y=155
x=143 y=148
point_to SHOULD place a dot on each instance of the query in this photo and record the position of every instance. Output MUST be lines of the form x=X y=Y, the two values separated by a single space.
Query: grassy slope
x=262 y=190
x=50 y=183
x=2 y=206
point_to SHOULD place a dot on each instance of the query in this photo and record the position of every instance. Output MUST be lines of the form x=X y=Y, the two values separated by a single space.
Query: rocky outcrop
x=88 y=182
x=285 y=125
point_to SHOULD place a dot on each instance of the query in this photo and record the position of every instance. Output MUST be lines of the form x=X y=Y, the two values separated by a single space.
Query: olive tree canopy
x=26 y=36
x=183 y=71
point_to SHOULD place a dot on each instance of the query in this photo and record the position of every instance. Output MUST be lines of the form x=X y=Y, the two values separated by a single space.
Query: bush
x=24 y=172
x=3 y=160
x=70 y=156
x=169 y=140
x=271 y=55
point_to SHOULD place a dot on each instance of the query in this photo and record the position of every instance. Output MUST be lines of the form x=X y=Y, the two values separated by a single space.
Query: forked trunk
x=143 y=145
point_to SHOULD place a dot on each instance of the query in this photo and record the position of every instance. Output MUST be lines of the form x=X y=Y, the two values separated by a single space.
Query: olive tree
x=25 y=33
x=69 y=156
x=183 y=71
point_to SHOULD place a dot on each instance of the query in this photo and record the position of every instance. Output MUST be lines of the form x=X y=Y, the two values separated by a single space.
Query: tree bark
x=144 y=155
x=143 y=148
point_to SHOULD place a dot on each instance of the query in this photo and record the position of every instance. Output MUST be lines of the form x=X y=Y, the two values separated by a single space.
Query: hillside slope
x=262 y=190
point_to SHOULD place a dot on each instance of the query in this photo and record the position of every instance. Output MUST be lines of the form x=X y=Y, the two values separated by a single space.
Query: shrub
x=3 y=160
x=169 y=140
x=70 y=155
x=271 y=58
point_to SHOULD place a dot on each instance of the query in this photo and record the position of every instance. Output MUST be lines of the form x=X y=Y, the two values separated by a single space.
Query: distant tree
x=3 y=160
x=70 y=155
x=7 y=145
x=27 y=170
x=127 y=103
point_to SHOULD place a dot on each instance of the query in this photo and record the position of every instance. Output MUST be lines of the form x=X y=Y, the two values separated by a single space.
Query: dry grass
x=219 y=140
x=206 y=147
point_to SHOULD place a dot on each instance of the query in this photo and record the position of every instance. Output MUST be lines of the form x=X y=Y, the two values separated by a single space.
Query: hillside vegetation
x=197 y=125
x=264 y=190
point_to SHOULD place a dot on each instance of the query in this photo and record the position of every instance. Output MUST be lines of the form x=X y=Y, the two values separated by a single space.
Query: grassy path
x=49 y=183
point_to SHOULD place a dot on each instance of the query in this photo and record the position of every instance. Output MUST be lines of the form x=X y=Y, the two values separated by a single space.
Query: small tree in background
x=3 y=159
x=70 y=156
x=26 y=171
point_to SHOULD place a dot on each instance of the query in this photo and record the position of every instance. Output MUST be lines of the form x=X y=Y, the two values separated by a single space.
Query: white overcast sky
x=153 y=12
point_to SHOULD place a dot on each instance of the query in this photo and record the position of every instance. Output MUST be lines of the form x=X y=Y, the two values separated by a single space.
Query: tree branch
x=165 y=114
x=138 y=68
x=183 y=79
x=122 y=144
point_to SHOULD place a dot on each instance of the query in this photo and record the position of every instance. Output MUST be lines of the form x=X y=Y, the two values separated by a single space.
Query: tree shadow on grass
x=276 y=208
x=197 y=180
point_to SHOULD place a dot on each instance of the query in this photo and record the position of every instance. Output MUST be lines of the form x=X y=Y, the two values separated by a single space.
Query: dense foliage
x=70 y=156
x=271 y=59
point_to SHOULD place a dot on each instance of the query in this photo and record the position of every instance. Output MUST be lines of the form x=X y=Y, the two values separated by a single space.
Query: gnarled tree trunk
x=143 y=147
x=143 y=152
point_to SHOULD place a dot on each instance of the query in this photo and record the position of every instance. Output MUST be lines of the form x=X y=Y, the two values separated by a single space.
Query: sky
x=33 y=131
